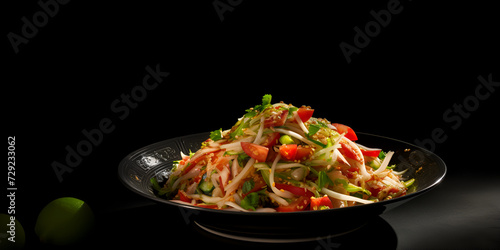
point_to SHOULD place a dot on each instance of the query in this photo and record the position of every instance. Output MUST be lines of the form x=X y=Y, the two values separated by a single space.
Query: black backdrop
x=74 y=66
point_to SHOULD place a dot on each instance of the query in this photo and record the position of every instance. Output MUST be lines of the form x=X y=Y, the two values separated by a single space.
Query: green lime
x=11 y=233
x=64 y=221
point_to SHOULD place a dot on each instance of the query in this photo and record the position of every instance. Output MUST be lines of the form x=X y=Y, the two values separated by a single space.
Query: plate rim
x=126 y=160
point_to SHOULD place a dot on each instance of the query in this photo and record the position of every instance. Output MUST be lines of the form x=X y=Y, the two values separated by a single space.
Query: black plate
x=139 y=167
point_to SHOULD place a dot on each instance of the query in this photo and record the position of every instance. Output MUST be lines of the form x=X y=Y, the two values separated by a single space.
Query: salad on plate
x=279 y=158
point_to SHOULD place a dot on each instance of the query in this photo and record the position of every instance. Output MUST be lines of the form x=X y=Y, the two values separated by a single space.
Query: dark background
x=424 y=62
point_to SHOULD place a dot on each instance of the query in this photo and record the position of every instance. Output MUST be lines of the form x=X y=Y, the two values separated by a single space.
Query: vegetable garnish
x=279 y=158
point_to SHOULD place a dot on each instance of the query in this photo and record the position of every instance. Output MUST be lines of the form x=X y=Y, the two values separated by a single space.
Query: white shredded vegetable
x=278 y=199
x=299 y=121
x=288 y=165
x=192 y=173
x=399 y=173
x=236 y=206
x=367 y=148
x=296 y=135
x=235 y=170
x=340 y=196
x=361 y=163
x=202 y=152
x=236 y=146
x=259 y=134
x=282 y=193
x=236 y=181
x=384 y=164
x=265 y=210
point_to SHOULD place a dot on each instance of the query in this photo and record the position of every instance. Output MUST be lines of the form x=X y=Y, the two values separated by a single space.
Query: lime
x=11 y=233
x=64 y=221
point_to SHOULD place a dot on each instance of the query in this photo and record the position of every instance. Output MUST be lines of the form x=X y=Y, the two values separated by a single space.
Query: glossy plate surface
x=136 y=169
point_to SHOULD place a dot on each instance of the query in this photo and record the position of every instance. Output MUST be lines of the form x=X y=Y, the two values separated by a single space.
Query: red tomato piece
x=288 y=151
x=271 y=156
x=318 y=203
x=305 y=114
x=303 y=153
x=371 y=153
x=183 y=196
x=374 y=190
x=299 y=191
x=271 y=140
x=298 y=204
x=348 y=151
x=276 y=120
x=257 y=152
x=350 y=134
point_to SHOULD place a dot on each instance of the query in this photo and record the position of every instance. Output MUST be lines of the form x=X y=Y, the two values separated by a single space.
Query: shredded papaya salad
x=279 y=158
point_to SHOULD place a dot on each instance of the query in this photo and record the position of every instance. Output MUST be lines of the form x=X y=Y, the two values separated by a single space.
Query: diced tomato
x=374 y=190
x=303 y=153
x=341 y=128
x=288 y=151
x=183 y=196
x=299 y=191
x=298 y=204
x=292 y=152
x=305 y=114
x=257 y=152
x=348 y=151
x=276 y=120
x=371 y=153
x=271 y=140
x=318 y=203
